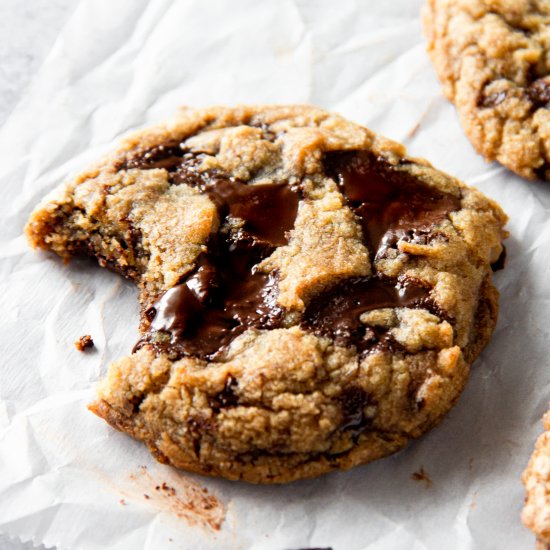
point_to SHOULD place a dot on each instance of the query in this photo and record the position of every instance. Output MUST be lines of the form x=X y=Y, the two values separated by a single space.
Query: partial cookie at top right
x=493 y=60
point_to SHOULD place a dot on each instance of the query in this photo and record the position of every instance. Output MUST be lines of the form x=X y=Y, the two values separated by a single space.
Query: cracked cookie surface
x=311 y=298
x=492 y=58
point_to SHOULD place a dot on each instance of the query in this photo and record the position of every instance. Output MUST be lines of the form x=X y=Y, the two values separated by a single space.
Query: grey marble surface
x=28 y=29
x=8 y=544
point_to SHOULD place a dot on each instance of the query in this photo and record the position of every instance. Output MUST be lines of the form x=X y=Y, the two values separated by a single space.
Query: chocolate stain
x=422 y=476
x=179 y=496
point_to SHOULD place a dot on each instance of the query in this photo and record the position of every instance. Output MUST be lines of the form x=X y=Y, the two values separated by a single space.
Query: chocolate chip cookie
x=536 y=478
x=493 y=59
x=311 y=298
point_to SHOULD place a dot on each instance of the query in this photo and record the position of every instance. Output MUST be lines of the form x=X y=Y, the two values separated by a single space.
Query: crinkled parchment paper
x=66 y=478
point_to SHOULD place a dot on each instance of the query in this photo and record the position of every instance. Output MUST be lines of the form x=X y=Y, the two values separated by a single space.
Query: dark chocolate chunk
x=491 y=100
x=353 y=401
x=268 y=210
x=392 y=204
x=539 y=93
x=336 y=312
x=238 y=300
x=227 y=397
x=167 y=156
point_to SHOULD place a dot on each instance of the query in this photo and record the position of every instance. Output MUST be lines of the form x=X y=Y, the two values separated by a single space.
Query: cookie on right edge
x=536 y=478
x=493 y=60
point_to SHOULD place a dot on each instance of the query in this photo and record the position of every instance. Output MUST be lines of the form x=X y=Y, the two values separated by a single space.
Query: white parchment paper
x=66 y=478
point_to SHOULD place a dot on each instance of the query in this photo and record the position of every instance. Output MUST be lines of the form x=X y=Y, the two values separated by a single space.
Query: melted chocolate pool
x=225 y=294
x=337 y=312
x=392 y=206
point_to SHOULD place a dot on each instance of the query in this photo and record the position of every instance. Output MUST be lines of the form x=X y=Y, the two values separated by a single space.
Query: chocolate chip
x=135 y=401
x=353 y=401
x=267 y=133
x=150 y=314
x=391 y=204
x=135 y=237
x=492 y=100
x=539 y=93
x=227 y=397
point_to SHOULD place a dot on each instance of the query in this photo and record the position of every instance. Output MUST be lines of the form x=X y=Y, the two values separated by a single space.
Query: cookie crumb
x=421 y=475
x=84 y=342
x=146 y=496
x=170 y=490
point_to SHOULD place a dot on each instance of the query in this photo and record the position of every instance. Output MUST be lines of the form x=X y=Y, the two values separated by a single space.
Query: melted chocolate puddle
x=337 y=312
x=392 y=206
x=225 y=294
x=219 y=301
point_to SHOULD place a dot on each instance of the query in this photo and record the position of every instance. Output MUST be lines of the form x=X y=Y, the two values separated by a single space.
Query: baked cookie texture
x=493 y=60
x=311 y=298
x=536 y=478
